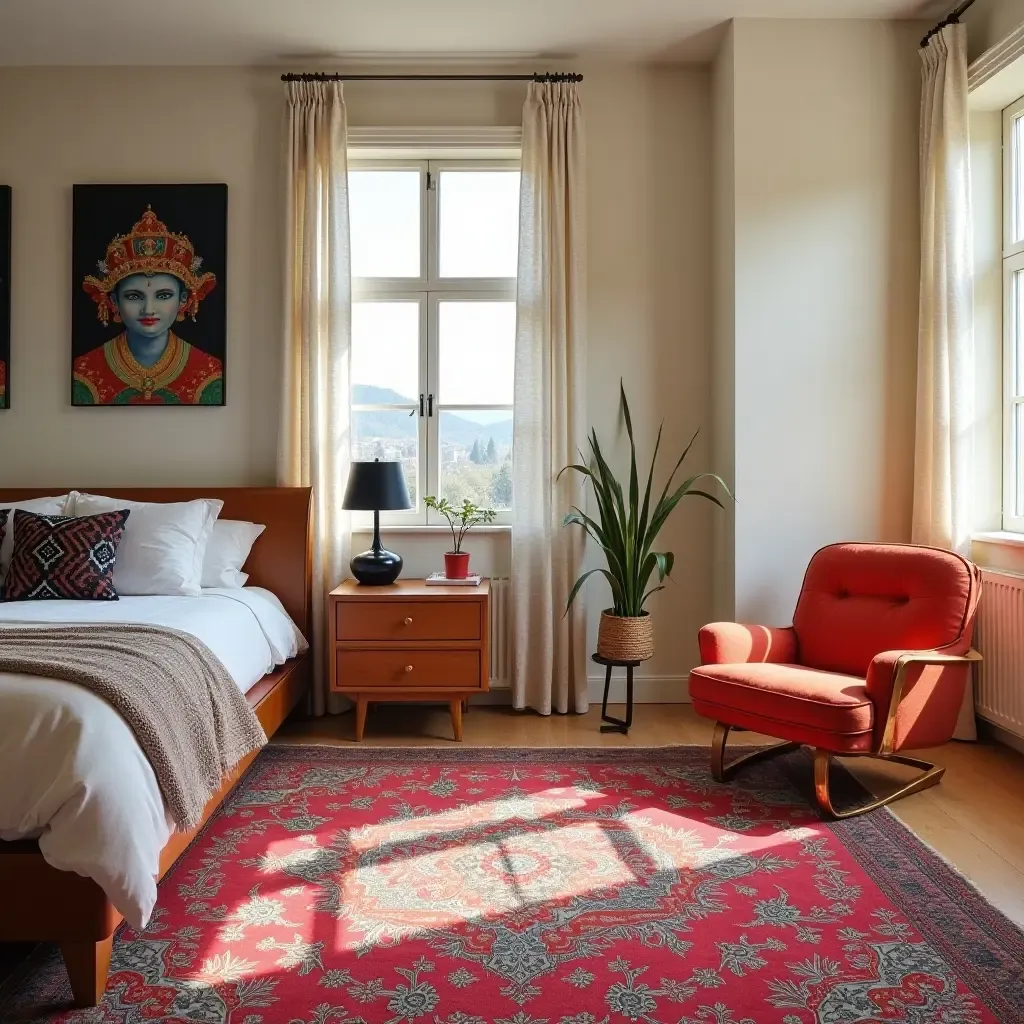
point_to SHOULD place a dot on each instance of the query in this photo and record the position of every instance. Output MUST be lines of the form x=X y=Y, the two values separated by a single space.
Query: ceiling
x=197 y=32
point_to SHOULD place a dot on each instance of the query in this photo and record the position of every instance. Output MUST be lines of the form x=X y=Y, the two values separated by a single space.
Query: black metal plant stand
x=616 y=724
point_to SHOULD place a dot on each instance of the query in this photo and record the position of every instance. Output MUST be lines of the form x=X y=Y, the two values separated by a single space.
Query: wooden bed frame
x=38 y=902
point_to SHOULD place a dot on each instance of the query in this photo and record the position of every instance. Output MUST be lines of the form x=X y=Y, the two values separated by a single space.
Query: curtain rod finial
x=953 y=18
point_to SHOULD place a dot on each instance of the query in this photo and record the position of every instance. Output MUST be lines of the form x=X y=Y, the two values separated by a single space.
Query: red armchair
x=875 y=663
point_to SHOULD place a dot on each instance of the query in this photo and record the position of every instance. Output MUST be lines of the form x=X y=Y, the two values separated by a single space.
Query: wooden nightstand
x=409 y=642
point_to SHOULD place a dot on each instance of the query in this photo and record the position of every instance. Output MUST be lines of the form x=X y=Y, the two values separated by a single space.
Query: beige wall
x=451 y=104
x=723 y=355
x=649 y=141
x=649 y=247
x=59 y=127
x=826 y=264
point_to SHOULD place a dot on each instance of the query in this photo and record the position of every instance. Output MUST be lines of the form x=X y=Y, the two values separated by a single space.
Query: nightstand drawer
x=407 y=620
x=410 y=668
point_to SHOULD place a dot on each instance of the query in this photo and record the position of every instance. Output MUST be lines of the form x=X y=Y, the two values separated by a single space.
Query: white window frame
x=1013 y=332
x=429 y=290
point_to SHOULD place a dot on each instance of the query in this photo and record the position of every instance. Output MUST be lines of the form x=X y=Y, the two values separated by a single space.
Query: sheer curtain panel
x=315 y=421
x=550 y=422
x=944 y=456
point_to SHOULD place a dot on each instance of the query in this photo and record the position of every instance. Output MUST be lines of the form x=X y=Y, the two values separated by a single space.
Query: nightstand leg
x=456 y=710
x=465 y=706
x=361 y=703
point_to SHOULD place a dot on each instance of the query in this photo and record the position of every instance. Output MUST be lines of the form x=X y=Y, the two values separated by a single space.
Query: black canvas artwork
x=148 y=316
x=5 y=296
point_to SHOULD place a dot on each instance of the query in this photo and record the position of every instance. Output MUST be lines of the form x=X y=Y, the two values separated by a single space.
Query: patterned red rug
x=547 y=887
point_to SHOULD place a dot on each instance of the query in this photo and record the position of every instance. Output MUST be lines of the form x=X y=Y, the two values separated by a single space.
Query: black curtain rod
x=326 y=76
x=953 y=18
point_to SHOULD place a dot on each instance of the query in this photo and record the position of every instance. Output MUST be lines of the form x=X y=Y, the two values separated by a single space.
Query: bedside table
x=409 y=642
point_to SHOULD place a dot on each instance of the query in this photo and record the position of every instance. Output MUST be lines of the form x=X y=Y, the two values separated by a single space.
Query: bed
x=39 y=902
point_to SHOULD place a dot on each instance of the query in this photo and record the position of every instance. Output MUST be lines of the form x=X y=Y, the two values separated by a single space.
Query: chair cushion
x=859 y=600
x=824 y=701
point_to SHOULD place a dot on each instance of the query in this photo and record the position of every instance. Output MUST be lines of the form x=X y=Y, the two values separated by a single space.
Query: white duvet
x=71 y=771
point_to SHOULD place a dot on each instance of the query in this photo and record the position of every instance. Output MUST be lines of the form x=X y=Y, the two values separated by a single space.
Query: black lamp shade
x=372 y=487
x=376 y=486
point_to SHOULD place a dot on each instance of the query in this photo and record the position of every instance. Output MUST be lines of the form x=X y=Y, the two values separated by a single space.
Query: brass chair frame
x=930 y=773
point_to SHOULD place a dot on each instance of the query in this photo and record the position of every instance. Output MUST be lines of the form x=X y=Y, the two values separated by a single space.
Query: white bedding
x=71 y=771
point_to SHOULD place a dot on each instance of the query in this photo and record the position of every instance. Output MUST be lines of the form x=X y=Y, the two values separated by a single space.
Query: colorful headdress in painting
x=149 y=248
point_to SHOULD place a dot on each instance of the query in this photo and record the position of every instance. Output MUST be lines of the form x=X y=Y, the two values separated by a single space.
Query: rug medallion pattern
x=547 y=887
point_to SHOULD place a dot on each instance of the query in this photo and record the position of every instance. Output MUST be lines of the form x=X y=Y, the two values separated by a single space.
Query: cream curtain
x=314 y=441
x=943 y=457
x=550 y=670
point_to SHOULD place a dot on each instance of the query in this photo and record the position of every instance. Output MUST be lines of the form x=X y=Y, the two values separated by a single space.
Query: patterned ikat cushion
x=63 y=557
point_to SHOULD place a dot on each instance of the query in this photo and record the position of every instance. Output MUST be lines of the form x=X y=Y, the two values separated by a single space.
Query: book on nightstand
x=438 y=579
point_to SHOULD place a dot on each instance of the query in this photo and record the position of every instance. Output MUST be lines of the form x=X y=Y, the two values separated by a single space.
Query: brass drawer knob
x=408 y=620
x=408 y=668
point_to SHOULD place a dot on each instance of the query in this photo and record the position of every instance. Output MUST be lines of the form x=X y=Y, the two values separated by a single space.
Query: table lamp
x=373 y=487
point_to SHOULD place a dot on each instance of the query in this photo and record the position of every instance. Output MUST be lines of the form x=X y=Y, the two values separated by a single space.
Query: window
x=1013 y=317
x=434 y=254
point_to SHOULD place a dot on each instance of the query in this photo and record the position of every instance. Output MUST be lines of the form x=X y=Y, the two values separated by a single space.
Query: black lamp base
x=376 y=567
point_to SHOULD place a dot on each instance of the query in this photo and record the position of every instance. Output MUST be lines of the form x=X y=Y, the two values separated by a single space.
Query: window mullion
x=433 y=434
x=430 y=225
x=1012 y=402
x=430 y=228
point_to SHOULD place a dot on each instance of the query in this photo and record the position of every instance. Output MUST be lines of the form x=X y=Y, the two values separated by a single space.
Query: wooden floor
x=974 y=817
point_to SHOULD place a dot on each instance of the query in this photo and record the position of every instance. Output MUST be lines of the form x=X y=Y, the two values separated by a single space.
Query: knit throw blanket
x=189 y=717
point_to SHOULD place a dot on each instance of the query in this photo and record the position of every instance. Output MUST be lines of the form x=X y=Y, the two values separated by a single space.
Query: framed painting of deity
x=5 y=296
x=148 y=309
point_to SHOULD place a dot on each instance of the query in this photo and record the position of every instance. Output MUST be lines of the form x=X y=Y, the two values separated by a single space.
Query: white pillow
x=53 y=506
x=163 y=545
x=226 y=552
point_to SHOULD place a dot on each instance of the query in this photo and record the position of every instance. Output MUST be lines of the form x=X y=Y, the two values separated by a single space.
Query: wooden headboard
x=282 y=558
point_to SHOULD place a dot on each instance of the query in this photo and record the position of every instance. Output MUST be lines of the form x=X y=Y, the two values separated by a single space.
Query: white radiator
x=999 y=636
x=501 y=625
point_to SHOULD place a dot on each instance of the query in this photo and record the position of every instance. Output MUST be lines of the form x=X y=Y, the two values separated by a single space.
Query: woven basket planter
x=625 y=638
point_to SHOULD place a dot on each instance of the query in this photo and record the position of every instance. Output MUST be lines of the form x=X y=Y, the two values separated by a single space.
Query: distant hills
x=455 y=428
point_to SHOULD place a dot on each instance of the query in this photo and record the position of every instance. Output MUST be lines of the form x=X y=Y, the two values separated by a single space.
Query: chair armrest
x=887 y=684
x=731 y=643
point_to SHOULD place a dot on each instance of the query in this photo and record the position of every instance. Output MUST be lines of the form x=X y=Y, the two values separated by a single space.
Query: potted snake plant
x=626 y=528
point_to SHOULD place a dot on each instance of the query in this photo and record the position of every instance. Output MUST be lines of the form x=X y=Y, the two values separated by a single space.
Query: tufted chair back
x=859 y=600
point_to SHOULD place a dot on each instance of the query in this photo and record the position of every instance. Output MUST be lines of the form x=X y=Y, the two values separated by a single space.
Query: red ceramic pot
x=456 y=564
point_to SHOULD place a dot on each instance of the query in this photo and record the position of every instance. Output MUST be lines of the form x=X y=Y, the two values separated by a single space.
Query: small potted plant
x=626 y=527
x=460 y=522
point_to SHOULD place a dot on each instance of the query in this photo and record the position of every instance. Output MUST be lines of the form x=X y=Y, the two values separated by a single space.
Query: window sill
x=1003 y=537
x=430 y=530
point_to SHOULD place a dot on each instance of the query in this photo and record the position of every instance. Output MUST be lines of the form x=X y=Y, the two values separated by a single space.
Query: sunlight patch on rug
x=548 y=887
